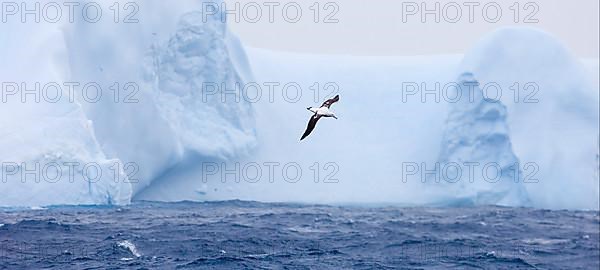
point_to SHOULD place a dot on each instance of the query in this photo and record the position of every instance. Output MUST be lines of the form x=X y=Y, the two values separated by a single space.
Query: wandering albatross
x=323 y=111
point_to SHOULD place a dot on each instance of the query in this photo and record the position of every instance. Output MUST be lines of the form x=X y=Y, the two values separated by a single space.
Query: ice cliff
x=477 y=162
x=149 y=142
x=152 y=112
x=553 y=120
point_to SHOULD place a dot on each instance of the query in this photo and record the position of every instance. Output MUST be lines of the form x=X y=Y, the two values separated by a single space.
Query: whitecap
x=131 y=247
x=542 y=241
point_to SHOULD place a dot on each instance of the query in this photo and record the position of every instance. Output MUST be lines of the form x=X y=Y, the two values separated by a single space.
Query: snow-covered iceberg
x=477 y=162
x=544 y=133
x=151 y=141
x=177 y=111
x=152 y=111
x=552 y=111
x=49 y=153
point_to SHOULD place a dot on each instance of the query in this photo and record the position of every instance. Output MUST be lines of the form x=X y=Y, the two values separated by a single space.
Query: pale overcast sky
x=377 y=27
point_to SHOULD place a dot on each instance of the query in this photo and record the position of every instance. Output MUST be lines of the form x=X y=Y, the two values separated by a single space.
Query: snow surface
x=175 y=127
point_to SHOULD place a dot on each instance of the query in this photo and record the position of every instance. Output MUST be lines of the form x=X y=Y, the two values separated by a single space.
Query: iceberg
x=175 y=114
x=150 y=113
x=55 y=159
x=49 y=150
x=480 y=167
x=179 y=106
x=554 y=121
x=544 y=135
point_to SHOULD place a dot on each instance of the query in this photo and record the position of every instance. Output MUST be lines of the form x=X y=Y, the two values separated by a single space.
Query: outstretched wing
x=329 y=102
x=311 y=125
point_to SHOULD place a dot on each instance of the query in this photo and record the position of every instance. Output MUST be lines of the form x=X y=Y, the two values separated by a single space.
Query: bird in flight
x=323 y=111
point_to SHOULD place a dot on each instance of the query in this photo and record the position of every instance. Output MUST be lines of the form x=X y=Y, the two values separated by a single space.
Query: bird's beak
x=335 y=117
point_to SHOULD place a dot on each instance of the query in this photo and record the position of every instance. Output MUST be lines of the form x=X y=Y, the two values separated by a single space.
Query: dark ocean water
x=250 y=235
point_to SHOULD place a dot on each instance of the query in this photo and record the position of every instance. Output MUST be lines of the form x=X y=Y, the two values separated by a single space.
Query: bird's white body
x=323 y=111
